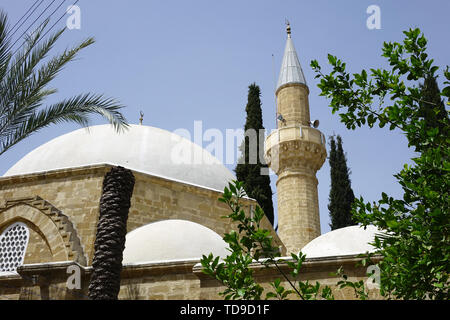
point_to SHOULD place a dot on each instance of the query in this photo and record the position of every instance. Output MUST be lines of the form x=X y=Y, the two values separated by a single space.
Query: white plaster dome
x=351 y=240
x=141 y=148
x=173 y=239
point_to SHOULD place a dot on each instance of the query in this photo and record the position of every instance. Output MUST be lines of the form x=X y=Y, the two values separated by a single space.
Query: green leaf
x=446 y=91
x=392 y=224
x=332 y=59
x=270 y=295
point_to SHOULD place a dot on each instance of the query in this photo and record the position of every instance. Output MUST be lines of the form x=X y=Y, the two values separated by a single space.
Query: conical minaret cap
x=291 y=71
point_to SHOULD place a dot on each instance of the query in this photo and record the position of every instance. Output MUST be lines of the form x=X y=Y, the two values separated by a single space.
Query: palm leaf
x=24 y=81
x=4 y=44
x=76 y=109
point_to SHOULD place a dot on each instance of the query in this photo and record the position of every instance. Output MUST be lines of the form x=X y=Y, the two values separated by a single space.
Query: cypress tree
x=341 y=194
x=256 y=185
x=432 y=107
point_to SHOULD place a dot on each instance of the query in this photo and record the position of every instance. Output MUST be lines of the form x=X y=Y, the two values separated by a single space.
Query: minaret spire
x=291 y=70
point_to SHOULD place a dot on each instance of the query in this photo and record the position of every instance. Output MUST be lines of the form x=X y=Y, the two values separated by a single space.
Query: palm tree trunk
x=111 y=230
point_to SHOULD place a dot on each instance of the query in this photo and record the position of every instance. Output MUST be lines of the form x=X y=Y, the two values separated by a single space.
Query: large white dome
x=341 y=242
x=173 y=239
x=142 y=148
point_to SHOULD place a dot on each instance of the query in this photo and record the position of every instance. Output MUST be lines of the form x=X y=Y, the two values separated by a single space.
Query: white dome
x=141 y=148
x=172 y=240
x=340 y=242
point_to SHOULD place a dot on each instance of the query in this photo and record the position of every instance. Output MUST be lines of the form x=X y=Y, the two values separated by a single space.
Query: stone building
x=49 y=208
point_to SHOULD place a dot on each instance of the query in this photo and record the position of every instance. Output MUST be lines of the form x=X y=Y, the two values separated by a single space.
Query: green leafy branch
x=415 y=239
x=253 y=244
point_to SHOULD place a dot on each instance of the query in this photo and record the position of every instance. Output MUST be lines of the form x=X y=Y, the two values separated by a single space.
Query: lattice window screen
x=13 y=244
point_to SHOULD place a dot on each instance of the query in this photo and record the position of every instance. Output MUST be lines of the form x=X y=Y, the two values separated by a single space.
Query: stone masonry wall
x=298 y=201
x=293 y=104
x=76 y=194
x=178 y=280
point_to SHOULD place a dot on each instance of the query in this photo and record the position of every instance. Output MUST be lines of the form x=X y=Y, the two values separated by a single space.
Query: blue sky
x=182 y=61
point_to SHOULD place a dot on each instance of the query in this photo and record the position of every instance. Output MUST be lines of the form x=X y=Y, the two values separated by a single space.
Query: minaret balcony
x=295 y=145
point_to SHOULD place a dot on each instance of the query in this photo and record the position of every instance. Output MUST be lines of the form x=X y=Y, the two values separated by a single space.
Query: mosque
x=49 y=208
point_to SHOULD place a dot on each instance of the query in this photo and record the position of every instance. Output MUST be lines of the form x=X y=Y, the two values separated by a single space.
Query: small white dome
x=142 y=148
x=169 y=240
x=341 y=242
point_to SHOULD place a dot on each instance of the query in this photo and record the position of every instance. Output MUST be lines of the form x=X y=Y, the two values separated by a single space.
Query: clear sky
x=182 y=61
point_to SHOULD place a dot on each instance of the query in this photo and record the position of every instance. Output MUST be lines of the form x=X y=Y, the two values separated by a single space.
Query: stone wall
x=160 y=281
x=41 y=200
x=61 y=209
x=176 y=280
x=73 y=192
x=298 y=203
x=318 y=269
x=293 y=104
x=76 y=194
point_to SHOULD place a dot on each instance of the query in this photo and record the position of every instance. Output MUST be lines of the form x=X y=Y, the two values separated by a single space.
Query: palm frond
x=77 y=109
x=4 y=45
x=24 y=81
x=33 y=93
x=15 y=94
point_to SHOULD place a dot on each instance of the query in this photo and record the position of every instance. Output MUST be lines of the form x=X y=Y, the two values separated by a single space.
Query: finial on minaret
x=288 y=28
x=141 y=118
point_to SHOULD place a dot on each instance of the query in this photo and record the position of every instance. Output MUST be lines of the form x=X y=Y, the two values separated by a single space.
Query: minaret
x=295 y=151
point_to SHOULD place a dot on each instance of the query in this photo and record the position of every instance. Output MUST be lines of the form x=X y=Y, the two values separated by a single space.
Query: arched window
x=13 y=243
